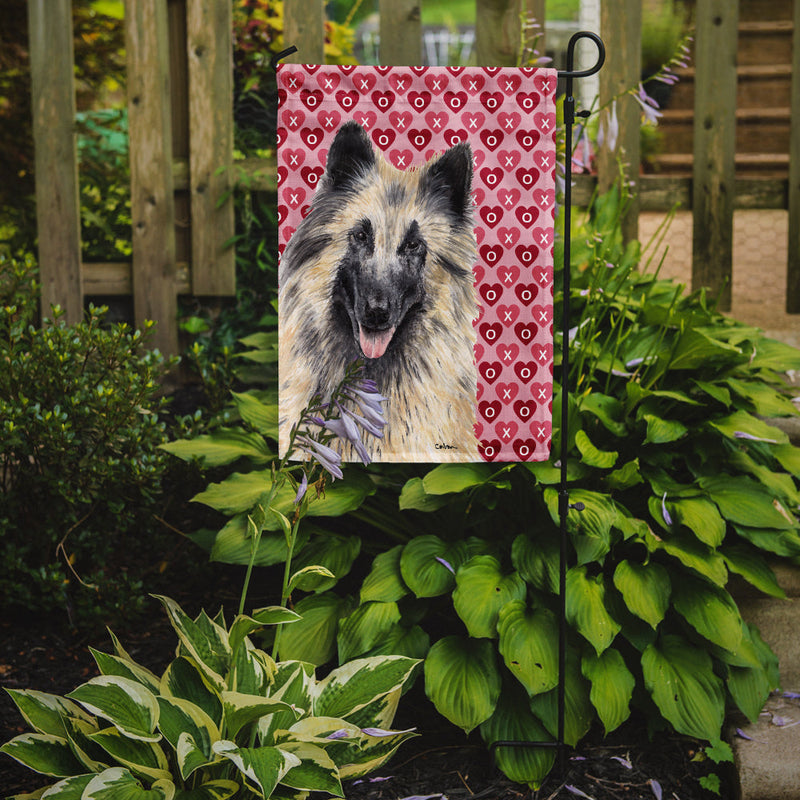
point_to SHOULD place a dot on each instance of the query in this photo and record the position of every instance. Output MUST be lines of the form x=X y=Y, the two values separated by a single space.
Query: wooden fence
x=181 y=133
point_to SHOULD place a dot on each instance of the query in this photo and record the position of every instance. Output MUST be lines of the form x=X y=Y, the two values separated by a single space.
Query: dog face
x=397 y=229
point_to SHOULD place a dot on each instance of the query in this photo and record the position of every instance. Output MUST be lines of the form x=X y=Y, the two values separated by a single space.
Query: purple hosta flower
x=608 y=132
x=582 y=154
x=649 y=106
x=380 y=732
x=301 y=489
x=345 y=428
x=342 y=733
x=445 y=563
x=751 y=437
x=791 y=695
x=577 y=792
x=655 y=787
x=664 y=512
x=742 y=735
x=327 y=458
x=624 y=761
x=376 y=779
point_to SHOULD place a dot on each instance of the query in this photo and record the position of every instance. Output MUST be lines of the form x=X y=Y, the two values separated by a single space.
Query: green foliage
x=79 y=429
x=223 y=718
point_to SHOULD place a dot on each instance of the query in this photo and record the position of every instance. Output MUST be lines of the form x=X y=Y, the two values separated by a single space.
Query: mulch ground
x=44 y=654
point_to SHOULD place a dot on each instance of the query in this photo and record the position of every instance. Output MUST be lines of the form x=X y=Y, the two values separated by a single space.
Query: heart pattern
x=508 y=117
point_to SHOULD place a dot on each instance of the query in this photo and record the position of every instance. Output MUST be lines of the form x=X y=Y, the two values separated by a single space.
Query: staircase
x=762 y=103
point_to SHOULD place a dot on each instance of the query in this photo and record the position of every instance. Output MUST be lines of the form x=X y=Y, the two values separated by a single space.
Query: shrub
x=683 y=484
x=79 y=429
x=223 y=720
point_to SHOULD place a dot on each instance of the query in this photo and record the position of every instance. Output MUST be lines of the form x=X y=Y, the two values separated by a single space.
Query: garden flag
x=416 y=222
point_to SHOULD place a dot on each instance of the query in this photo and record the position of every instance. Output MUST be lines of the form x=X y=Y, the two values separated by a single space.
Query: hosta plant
x=224 y=720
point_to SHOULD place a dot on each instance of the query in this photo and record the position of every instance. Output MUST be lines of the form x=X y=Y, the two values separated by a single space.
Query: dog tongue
x=373 y=345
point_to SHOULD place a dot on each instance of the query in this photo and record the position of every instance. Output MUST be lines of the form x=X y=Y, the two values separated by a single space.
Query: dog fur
x=381 y=269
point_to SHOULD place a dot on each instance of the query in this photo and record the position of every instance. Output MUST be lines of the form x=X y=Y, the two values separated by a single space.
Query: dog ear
x=450 y=177
x=350 y=156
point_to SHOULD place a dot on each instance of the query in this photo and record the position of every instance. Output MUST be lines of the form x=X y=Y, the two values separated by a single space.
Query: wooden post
x=714 y=147
x=535 y=12
x=210 y=52
x=401 y=32
x=304 y=27
x=56 y=159
x=621 y=28
x=793 y=267
x=498 y=32
x=152 y=202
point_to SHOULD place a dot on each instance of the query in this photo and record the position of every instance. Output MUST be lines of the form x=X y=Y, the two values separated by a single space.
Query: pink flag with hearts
x=416 y=222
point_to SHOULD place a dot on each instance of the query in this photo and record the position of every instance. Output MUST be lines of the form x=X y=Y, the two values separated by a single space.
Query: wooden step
x=766 y=165
x=758 y=130
x=754 y=10
x=765 y=42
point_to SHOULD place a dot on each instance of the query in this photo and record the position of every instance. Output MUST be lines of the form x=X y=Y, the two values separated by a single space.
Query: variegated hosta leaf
x=262 y=766
x=117 y=783
x=78 y=733
x=513 y=721
x=481 y=591
x=68 y=789
x=371 y=754
x=683 y=685
x=212 y=790
x=242 y=709
x=358 y=683
x=179 y=718
x=646 y=589
x=462 y=680
x=586 y=608
x=45 y=712
x=183 y=679
x=316 y=771
x=365 y=627
x=529 y=645
x=126 y=704
x=145 y=759
x=294 y=683
x=612 y=686
x=44 y=753
x=244 y=625
x=125 y=668
x=385 y=581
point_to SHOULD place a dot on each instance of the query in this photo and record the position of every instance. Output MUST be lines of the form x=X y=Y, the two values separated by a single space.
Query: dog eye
x=413 y=245
x=360 y=235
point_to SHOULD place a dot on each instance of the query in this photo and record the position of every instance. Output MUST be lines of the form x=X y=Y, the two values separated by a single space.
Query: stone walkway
x=760 y=246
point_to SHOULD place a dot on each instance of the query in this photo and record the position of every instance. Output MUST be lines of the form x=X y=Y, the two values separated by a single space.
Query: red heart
x=528 y=177
x=490 y=332
x=527 y=101
x=383 y=69
x=382 y=100
x=366 y=119
x=489 y=449
x=293 y=119
x=492 y=139
x=436 y=83
x=525 y=370
x=508 y=275
x=524 y=448
x=490 y=370
x=383 y=137
x=491 y=215
x=507 y=391
x=509 y=121
x=294 y=158
x=527 y=255
x=329 y=119
x=399 y=82
x=527 y=215
x=509 y=83
x=292 y=78
x=526 y=292
x=491 y=292
x=508 y=314
x=542 y=275
x=294 y=195
x=542 y=393
x=492 y=177
x=542 y=353
x=491 y=101
x=419 y=138
x=506 y=430
x=401 y=119
x=328 y=81
x=526 y=331
x=508 y=236
x=545 y=199
x=507 y=353
x=311 y=98
x=525 y=409
x=419 y=100
x=436 y=121
x=473 y=121
x=453 y=137
x=546 y=123
x=509 y=197
x=311 y=175
x=491 y=254
x=489 y=409
x=528 y=139
x=401 y=159
x=312 y=137
x=473 y=83
x=283 y=174
x=347 y=100
x=455 y=101
x=365 y=82
x=542 y=430
x=509 y=158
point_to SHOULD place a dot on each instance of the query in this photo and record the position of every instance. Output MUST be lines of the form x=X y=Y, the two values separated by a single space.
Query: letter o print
x=491 y=141
x=490 y=373
x=418 y=101
x=523 y=450
x=527 y=140
x=489 y=451
x=383 y=101
x=312 y=140
x=526 y=296
x=491 y=296
x=525 y=373
x=527 y=217
x=383 y=140
x=419 y=140
x=490 y=413
x=491 y=334
x=491 y=217
x=524 y=412
x=525 y=334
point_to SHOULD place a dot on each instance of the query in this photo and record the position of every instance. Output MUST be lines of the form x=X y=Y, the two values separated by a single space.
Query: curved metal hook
x=273 y=62
x=584 y=73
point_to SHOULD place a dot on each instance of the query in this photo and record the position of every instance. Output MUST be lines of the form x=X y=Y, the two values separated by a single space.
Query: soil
x=45 y=654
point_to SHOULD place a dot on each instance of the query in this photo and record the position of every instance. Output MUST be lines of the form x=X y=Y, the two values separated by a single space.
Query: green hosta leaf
x=263 y=766
x=448 y=478
x=313 y=638
x=625 y=477
x=701 y=517
x=424 y=565
x=788 y=456
x=753 y=567
x=646 y=589
x=537 y=561
x=145 y=759
x=745 y=502
x=578 y=710
x=589 y=528
x=529 y=645
x=365 y=627
x=399 y=640
x=749 y=688
x=242 y=709
x=243 y=625
x=233 y=544
x=709 y=610
x=223 y=446
x=591 y=456
x=261 y=416
x=179 y=717
x=212 y=790
x=740 y=422
x=335 y=553
x=312 y=577
x=357 y=684
x=608 y=410
x=714 y=390
x=44 y=753
x=771 y=354
x=462 y=680
x=45 y=712
x=118 y=784
x=683 y=685
x=125 y=668
x=316 y=772
x=512 y=721
x=612 y=687
x=414 y=497
x=127 y=705
x=663 y=431
x=586 y=608
x=782 y=543
x=695 y=349
x=385 y=582
x=692 y=553
x=767 y=401
x=481 y=591
x=182 y=679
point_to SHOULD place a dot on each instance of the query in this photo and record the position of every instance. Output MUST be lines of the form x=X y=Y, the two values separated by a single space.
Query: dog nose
x=376 y=312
